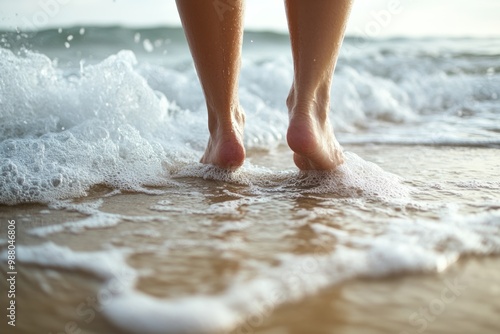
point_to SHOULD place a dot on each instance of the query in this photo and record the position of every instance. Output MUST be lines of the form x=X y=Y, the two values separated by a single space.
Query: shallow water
x=206 y=256
x=112 y=109
x=134 y=235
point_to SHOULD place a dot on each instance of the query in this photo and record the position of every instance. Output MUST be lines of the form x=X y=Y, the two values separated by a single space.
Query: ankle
x=314 y=103
x=233 y=118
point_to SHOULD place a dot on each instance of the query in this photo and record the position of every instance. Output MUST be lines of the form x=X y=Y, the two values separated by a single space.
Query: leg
x=214 y=30
x=316 y=32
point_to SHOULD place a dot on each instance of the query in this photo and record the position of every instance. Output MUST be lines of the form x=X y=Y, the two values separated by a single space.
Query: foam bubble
x=401 y=246
x=356 y=178
x=136 y=312
x=63 y=135
x=96 y=221
x=105 y=265
x=126 y=124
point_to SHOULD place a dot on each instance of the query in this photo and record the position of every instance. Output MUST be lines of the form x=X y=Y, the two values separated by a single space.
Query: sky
x=371 y=18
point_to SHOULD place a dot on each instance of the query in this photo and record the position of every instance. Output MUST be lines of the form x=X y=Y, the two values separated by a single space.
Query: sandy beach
x=203 y=237
x=109 y=224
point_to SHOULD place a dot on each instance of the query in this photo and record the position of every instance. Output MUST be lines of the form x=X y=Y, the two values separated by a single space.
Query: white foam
x=103 y=264
x=245 y=301
x=62 y=134
x=356 y=178
x=135 y=312
x=401 y=246
x=86 y=208
x=129 y=125
x=97 y=221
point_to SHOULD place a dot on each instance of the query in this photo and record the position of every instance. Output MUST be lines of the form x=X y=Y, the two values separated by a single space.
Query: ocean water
x=92 y=119
x=91 y=106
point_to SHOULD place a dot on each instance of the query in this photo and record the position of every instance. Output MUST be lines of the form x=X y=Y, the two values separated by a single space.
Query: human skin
x=215 y=37
x=214 y=30
x=316 y=33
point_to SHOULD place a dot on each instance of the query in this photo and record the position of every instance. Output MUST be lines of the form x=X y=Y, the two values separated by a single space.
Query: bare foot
x=310 y=136
x=225 y=147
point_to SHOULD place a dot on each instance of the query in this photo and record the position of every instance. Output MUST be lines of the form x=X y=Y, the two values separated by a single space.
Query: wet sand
x=462 y=299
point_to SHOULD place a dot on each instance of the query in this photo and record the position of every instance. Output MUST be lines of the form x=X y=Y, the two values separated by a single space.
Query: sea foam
x=61 y=135
x=405 y=246
x=126 y=123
